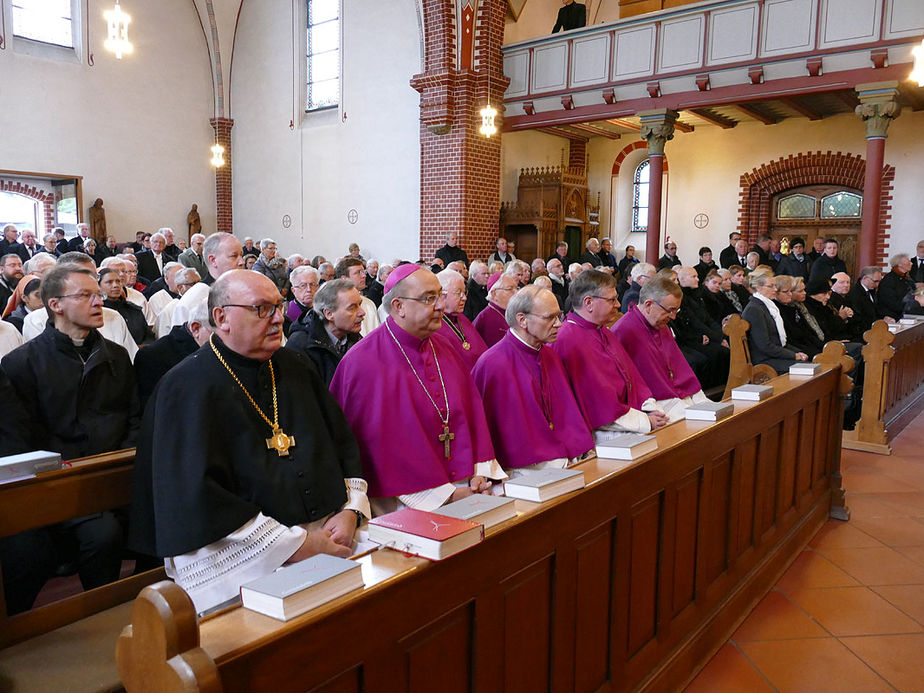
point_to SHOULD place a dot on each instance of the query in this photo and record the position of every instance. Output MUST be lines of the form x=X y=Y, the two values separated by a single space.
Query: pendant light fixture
x=488 y=113
x=917 y=74
x=117 y=40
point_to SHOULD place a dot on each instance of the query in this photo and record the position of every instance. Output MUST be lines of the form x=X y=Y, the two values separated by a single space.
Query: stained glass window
x=47 y=21
x=640 y=197
x=842 y=204
x=796 y=207
x=323 y=59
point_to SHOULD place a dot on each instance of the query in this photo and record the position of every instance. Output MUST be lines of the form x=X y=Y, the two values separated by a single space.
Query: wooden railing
x=630 y=584
x=893 y=391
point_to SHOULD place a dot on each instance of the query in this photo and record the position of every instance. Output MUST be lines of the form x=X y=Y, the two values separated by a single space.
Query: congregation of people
x=277 y=402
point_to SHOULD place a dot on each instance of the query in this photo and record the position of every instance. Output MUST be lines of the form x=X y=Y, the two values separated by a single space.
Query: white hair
x=159 y=235
x=266 y=243
x=447 y=276
x=304 y=269
x=640 y=268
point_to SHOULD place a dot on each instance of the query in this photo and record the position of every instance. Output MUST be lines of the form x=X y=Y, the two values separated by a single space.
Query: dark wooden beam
x=683 y=127
x=624 y=124
x=756 y=114
x=593 y=130
x=802 y=109
x=714 y=118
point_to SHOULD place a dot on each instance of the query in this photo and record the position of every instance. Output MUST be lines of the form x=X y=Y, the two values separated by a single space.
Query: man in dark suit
x=75 y=245
x=762 y=248
x=862 y=300
x=796 y=264
x=8 y=244
x=895 y=287
x=917 y=265
x=572 y=16
x=451 y=251
x=151 y=262
x=828 y=263
x=560 y=254
x=61 y=244
x=767 y=335
x=669 y=260
x=729 y=255
x=477 y=290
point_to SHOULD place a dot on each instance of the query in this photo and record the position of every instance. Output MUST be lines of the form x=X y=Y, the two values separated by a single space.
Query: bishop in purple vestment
x=491 y=323
x=428 y=442
x=611 y=393
x=533 y=416
x=456 y=328
x=645 y=334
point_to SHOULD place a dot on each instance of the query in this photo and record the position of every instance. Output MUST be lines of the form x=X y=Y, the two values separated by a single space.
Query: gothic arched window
x=640 y=197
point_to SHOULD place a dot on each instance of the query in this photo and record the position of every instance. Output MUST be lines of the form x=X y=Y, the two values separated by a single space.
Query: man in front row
x=429 y=442
x=610 y=391
x=264 y=470
x=525 y=389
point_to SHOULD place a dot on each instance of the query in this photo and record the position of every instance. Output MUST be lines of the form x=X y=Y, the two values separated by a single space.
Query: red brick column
x=222 y=128
x=459 y=167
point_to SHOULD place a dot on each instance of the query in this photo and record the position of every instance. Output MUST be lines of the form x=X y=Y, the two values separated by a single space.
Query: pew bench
x=67 y=644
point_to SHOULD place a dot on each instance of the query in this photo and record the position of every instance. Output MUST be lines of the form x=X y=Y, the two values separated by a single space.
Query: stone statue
x=193 y=222
x=98 y=222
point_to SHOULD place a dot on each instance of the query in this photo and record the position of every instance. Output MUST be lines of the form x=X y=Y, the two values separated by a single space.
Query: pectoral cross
x=445 y=438
x=280 y=442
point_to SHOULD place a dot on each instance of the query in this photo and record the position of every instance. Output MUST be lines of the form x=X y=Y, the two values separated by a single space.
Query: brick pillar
x=657 y=129
x=222 y=128
x=459 y=167
x=878 y=107
x=577 y=154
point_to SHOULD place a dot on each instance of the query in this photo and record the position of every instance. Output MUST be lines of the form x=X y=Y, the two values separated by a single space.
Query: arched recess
x=620 y=211
x=808 y=168
x=47 y=198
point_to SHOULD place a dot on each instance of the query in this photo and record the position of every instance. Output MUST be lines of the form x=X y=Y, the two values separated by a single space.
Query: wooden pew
x=740 y=369
x=630 y=584
x=893 y=390
x=76 y=628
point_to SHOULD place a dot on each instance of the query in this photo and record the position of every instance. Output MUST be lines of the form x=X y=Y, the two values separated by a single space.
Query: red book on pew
x=425 y=534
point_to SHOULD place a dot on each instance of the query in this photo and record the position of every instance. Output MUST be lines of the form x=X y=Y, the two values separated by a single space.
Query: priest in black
x=264 y=467
x=572 y=16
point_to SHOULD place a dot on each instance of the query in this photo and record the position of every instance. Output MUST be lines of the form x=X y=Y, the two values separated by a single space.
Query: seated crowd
x=179 y=351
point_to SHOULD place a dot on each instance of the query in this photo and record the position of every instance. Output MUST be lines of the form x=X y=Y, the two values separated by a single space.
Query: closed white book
x=896 y=327
x=15 y=467
x=543 y=484
x=752 y=393
x=302 y=586
x=627 y=446
x=482 y=508
x=709 y=411
x=907 y=321
x=805 y=368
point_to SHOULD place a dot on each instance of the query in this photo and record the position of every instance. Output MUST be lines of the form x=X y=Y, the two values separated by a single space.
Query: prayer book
x=896 y=327
x=752 y=393
x=425 y=534
x=28 y=464
x=908 y=321
x=628 y=446
x=709 y=411
x=805 y=368
x=481 y=508
x=302 y=586
x=543 y=484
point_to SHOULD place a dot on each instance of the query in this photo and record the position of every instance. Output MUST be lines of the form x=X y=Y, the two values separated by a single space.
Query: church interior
x=726 y=564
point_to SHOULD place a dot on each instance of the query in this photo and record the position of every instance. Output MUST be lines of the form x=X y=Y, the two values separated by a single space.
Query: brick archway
x=809 y=168
x=46 y=198
x=628 y=149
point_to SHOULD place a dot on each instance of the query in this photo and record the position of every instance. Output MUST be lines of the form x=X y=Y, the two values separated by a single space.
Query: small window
x=796 y=207
x=842 y=204
x=640 y=197
x=46 y=21
x=323 y=60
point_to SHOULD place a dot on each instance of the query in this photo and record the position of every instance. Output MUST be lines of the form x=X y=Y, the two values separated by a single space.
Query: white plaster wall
x=363 y=156
x=136 y=129
x=527 y=149
x=538 y=17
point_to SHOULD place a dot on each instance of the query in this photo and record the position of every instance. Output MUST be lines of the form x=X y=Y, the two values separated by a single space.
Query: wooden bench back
x=740 y=370
x=86 y=486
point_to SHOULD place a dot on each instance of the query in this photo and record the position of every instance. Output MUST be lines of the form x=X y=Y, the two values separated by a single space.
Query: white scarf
x=775 y=314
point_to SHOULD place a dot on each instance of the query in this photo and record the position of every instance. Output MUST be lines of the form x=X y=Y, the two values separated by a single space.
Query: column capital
x=657 y=128
x=878 y=106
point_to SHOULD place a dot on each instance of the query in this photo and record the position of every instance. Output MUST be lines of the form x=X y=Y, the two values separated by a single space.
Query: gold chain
x=274 y=424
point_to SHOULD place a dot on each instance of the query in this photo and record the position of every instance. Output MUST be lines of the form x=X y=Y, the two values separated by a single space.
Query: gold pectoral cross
x=445 y=438
x=280 y=442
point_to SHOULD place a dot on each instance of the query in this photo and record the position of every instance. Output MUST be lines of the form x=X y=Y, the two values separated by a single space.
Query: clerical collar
x=232 y=357
x=532 y=349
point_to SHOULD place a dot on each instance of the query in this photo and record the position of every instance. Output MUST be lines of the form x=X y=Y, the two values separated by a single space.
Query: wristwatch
x=359 y=517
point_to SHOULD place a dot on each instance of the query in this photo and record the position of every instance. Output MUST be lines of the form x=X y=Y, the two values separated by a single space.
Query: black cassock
x=203 y=469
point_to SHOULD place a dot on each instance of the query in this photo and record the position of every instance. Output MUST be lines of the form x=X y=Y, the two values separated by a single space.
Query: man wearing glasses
x=610 y=391
x=264 y=468
x=426 y=442
x=526 y=392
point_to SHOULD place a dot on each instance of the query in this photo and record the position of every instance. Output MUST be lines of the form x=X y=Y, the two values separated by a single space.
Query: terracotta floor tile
x=729 y=671
x=910 y=503
x=813 y=666
x=876 y=566
x=845 y=535
x=915 y=553
x=860 y=480
x=776 y=618
x=854 y=611
x=811 y=569
x=892 y=531
x=865 y=505
x=907 y=598
x=896 y=658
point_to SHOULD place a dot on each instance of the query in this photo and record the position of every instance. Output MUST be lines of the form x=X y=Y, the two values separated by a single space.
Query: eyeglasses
x=669 y=311
x=313 y=285
x=426 y=300
x=457 y=292
x=549 y=318
x=84 y=295
x=612 y=301
x=263 y=310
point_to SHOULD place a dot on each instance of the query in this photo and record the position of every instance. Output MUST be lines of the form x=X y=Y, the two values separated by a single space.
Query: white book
x=627 y=446
x=543 y=484
x=302 y=586
x=28 y=464
x=752 y=393
x=805 y=368
x=709 y=411
x=895 y=327
x=907 y=321
x=482 y=508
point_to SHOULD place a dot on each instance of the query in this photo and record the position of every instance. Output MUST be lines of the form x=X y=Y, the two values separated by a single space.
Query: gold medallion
x=466 y=345
x=280 y=442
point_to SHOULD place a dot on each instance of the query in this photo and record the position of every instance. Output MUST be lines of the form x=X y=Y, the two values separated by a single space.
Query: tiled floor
x=848 y=615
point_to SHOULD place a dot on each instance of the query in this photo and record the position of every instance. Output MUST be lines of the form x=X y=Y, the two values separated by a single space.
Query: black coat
x=625 y=266
x=314 y=342
x=893 y=289
x=702 y=269
x=763 y=338
x=7 y=248
x=134 y=318
x=572 y=16
x=799 y=335
x=591 y=258
x=76 y=409
x=728 y=257
x=791 y=266
x=452 y=253
x=865 y=311
x=668 y=262
x=147 y=265
x=477 y=299
x=717 y=305
x=825 y=267
x=763 y=255
x=630 y=297
x=153 y=362
x=693 y=321
x=917 y=270
x=375 y=290
x=834 y=327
